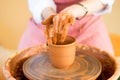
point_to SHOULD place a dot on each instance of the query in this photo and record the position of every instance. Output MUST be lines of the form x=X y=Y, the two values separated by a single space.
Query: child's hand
x=48 y=28
x=57 y=27
x=61 y=22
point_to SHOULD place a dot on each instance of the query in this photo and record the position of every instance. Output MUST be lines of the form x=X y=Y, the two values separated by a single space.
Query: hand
x=48 y=28
x=57 y=27
x=61 y=22
x=73 y=10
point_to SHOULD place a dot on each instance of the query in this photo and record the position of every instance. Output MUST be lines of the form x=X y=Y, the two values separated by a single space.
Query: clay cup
x=62 y=55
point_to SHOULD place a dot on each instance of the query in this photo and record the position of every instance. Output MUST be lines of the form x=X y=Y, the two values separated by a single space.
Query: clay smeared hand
x=56 y=27
x=65 y=20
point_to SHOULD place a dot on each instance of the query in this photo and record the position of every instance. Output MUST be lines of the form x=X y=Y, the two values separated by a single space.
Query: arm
x=67 y=16
x=93 y=7
x=48 y=7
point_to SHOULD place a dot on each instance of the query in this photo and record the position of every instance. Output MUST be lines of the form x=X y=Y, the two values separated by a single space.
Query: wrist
x=47 y=12
x=77 y=10
x=84 y=11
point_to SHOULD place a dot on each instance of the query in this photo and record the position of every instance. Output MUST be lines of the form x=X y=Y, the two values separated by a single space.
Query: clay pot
x=63 y=55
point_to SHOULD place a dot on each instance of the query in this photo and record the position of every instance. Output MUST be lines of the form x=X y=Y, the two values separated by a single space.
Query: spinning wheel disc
x=84 y=67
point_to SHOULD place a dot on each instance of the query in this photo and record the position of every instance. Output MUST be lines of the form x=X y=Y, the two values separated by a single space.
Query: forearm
x=92 y=6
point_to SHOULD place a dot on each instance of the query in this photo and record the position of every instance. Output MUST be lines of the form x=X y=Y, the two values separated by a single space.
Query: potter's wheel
x=84 y=67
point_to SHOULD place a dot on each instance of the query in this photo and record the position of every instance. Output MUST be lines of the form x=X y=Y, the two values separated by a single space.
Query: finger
x=60 y=26
x=55 y=25
x=51 y=34
x=50 y=40
x=65 y=24
x=61 y=22
x=59 y=38
x=46 y=31
x=64 y=34
x=66 y=20
x=47 y=34
x=55 y=38
x=71 y=19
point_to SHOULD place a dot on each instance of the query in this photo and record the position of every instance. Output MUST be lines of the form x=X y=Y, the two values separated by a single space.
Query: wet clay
x=108 y=62
x=38 y=66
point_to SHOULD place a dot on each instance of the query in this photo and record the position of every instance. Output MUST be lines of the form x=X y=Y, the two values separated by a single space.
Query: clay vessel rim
x=73 y=42
x=63 y=45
